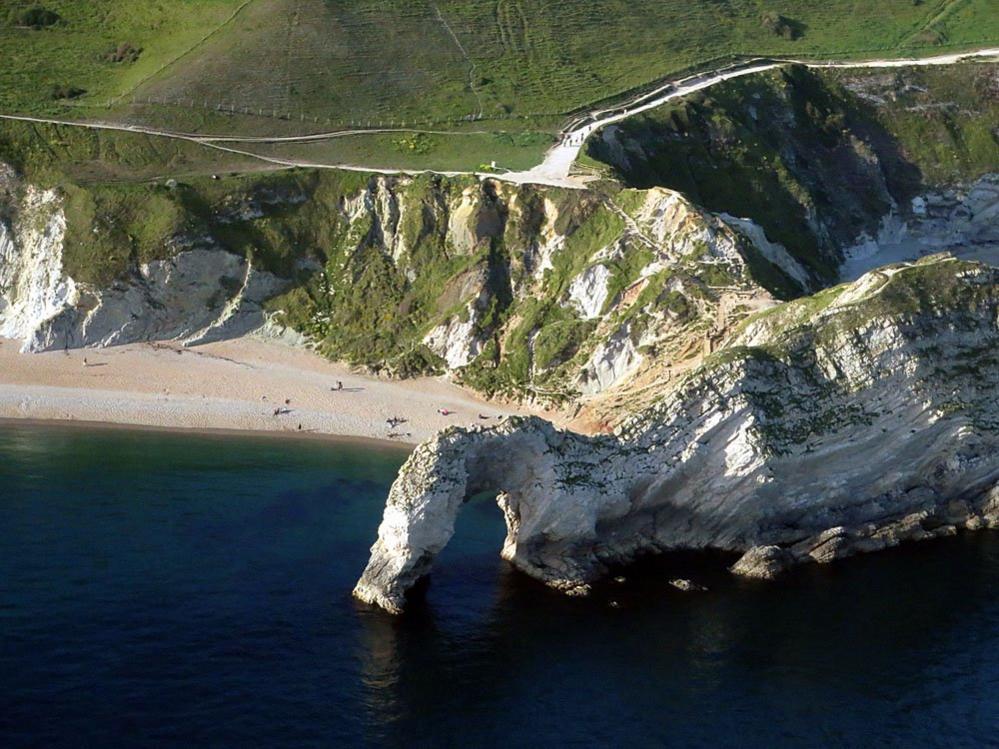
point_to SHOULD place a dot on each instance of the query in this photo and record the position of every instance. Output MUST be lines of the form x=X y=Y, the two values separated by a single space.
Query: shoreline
x=264 y=434
x=246 y=386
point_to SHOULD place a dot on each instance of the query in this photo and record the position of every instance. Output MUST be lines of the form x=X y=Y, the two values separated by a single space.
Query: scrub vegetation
x=815 y=157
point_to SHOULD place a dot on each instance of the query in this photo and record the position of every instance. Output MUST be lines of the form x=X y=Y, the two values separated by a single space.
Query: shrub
x=66 y=92
x=124 y=52
x=417 y=143
x=780 y=25
x=36 y=17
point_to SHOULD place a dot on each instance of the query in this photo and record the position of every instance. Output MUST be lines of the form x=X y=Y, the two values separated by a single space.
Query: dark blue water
x=169 y=590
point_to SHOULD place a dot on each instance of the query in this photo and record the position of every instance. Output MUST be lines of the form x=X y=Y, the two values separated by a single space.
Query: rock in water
x=842 y=423
x=763 y=562
x=687 y=586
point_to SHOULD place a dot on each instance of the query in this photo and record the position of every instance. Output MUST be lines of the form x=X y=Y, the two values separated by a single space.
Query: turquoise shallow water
x=177 y=590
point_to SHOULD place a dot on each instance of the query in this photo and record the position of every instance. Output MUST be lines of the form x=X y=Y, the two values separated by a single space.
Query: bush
x=417 y=143
x=124 y=52
x=781 y=26
x=66 y=92
x=36 y=17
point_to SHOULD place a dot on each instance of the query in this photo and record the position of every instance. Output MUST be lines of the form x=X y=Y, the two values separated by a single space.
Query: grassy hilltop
x=281 y=66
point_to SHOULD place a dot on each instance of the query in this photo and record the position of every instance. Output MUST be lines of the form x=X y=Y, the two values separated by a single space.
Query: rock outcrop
x=842 y=423
x=33 y=288
x=531 y=292
x=964 y=219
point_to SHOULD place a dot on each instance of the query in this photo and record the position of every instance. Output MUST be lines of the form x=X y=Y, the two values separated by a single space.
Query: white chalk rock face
x=772 y=251
x=455 y=341
x=195 y=296
x=853 y=425
x=588 y=291
x=962 y=221
x=33 y=289
x=612 y=361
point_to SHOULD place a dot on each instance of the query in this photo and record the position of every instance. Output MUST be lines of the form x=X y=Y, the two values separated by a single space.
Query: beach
x=247 y=384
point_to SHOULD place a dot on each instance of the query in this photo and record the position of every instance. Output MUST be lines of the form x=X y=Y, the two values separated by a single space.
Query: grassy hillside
x=313 y=61
x=53 y=155
x=76 y=51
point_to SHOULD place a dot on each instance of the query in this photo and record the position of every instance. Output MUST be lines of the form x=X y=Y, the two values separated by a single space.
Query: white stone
x=588 y=291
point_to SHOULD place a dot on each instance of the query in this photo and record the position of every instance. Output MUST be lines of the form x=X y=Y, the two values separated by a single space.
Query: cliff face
x=33 y=289
x=829 y=163
x=195 y=294
x=758 y=190
x=536 y=292
x=846 y=422
x=548 y=294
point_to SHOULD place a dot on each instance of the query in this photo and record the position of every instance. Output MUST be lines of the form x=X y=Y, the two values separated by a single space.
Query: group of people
x=393 y=422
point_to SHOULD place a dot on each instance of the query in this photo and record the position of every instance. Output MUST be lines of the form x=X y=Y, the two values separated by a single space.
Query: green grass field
x=399 y=59
x=52 y=155
x=306 y=65
x=460 y=153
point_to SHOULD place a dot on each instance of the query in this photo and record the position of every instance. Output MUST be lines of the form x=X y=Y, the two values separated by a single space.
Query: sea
x=179 y=590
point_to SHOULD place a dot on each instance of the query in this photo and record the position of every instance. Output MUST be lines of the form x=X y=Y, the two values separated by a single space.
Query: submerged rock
x=848 y=422
x=687 y=586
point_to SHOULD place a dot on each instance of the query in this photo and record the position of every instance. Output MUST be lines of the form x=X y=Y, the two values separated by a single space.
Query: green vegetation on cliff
x=815 y=157
x=939 y=313
x=51 y=154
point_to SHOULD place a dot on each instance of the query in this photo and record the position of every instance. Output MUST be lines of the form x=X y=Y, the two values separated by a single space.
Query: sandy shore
x=232 y=385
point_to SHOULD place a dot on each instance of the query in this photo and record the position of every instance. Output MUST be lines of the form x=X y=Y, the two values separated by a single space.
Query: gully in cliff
x=835 y=425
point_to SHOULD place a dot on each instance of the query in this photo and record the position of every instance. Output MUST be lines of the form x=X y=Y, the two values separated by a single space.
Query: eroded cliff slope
x=521 y=291
x=832 y=164
x=597 y=301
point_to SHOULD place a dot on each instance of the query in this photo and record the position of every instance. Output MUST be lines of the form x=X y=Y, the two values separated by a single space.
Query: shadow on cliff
x=809 y=162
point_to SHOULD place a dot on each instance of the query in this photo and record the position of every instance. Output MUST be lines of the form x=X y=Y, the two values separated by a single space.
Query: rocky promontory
x=846 y=422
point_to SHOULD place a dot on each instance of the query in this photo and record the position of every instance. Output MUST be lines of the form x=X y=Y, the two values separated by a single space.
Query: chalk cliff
x=846 y=422
x=196 y=293
x=524 y=291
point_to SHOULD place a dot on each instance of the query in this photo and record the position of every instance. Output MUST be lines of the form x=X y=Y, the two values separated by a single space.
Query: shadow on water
x=873 y=647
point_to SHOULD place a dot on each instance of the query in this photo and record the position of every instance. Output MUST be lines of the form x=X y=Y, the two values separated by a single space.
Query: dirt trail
x=472 y=67
x=559 y=160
